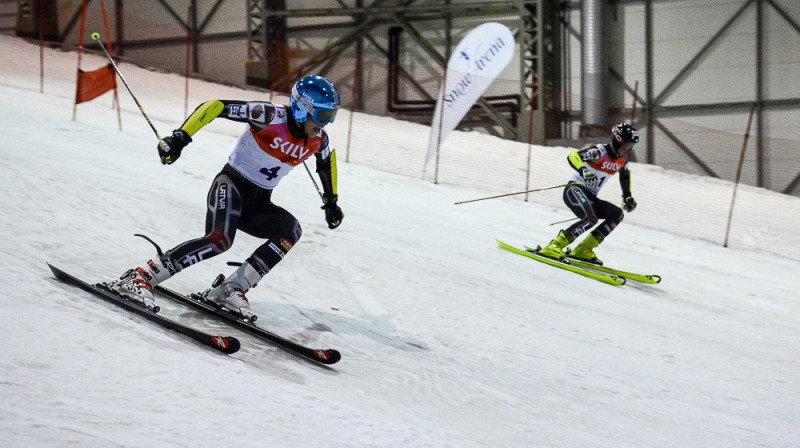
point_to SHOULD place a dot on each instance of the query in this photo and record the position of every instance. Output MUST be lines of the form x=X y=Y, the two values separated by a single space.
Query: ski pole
x=573 y=219
x=519 y=192
x=319 y=192
x=333 y=165
x=96 y=37
x=563 y=221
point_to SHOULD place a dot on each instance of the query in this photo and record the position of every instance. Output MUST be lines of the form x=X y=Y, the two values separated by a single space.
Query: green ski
x=611 y=279
x=651 y=279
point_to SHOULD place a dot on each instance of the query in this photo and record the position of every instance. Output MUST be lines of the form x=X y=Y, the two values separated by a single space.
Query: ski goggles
x=319 y=115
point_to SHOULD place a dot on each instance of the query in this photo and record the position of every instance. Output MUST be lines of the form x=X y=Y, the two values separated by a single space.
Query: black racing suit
x=236 y=201
x=582 y=198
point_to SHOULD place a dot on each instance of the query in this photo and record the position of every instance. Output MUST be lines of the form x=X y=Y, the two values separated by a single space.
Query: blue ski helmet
x=315 y=97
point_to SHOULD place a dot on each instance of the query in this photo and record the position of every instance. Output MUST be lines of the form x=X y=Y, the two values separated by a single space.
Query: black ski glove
x=629 y=204
x=333 y=214
x=170 y=147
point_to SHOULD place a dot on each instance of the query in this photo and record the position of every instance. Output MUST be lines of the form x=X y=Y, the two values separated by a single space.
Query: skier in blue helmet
x=276 y=139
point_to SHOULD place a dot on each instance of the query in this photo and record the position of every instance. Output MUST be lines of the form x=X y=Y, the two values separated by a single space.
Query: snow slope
x=447 y=341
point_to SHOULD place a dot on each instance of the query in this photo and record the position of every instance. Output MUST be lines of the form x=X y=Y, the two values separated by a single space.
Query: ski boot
x=137 y=284
x=229 y=293
x=584 y=251
x=555 y=248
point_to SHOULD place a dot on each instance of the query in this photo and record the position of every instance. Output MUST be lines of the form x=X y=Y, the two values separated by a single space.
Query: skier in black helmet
x=593 y=166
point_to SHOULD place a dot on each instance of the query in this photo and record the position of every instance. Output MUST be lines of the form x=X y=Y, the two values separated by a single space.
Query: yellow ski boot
x=584 y=251
x=555 y=248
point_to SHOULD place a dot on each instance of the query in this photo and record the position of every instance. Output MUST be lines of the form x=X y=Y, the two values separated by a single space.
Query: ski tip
x=328 y=356
x=233 y=344
x=655 y=278
x=226 y=344
x=58 y=273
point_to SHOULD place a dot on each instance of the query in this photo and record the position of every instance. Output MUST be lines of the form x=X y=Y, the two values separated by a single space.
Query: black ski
x=323 y=356
x=225 y=344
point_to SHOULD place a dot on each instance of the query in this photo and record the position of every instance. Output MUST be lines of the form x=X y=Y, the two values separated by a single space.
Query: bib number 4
x=270 y=173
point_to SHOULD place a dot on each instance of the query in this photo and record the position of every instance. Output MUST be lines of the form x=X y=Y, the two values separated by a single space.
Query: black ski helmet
x=625 y=136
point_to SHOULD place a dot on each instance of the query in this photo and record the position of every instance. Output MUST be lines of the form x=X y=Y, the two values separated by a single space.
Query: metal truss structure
x=538 y=111
x=500 y=115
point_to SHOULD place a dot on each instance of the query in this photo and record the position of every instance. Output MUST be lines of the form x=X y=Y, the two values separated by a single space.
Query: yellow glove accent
x=333 y=171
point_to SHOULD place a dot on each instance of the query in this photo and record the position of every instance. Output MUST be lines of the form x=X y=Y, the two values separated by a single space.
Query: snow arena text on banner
x=477 y=60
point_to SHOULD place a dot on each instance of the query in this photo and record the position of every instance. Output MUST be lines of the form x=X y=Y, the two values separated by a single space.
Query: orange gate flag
x=95 y=83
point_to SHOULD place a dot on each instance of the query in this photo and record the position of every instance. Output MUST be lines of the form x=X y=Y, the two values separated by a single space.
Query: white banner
x=477 y=60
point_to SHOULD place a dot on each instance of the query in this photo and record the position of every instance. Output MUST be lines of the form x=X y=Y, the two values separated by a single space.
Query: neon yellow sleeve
x=574 y=160
x=203 y=115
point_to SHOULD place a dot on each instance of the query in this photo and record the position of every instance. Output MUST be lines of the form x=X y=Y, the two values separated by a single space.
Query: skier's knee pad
x=220 y=241
x=617 y=216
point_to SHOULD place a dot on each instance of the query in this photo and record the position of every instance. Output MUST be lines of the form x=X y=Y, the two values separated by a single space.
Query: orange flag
x=95 y=83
